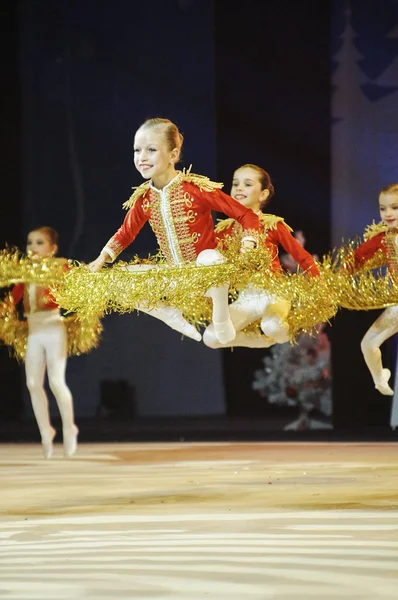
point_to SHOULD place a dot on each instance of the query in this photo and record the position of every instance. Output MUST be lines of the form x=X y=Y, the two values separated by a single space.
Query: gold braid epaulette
x=223 y=224
x=138 y=192
x=374 y=229
x=271 y=221
x=204 y=183
x=266 y=220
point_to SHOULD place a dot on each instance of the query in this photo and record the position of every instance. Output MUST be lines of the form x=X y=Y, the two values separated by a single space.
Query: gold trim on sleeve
x=112 y=248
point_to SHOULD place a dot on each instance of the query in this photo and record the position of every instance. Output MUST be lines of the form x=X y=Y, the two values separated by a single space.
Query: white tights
x=171 y=316
x=47 y=347
x=385 y=326
x=252 y=305
x=222 y=325
x=223 y=328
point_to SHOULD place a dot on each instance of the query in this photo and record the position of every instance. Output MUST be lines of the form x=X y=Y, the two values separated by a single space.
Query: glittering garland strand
x=127 y=286
x=16 y=267
x=83 y=334
x=369 y=287
x=117 y=289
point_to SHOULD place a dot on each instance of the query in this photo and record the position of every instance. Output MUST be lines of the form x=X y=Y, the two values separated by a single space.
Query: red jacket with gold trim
x=180 y=216
x=43 y=298
x=380 y=248
x=368 y=249
x=276 y=232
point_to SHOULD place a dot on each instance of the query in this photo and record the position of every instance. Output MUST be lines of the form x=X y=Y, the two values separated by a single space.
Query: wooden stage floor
x=190 y=521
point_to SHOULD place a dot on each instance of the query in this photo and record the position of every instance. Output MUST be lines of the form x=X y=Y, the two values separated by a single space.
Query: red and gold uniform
x=366 y=290
x=180 y=217
x=381 y=246
x=41 y=308
x=35 y=298
x=44 y=340
x=44 y=345
x=254 y=304
x=276 y=232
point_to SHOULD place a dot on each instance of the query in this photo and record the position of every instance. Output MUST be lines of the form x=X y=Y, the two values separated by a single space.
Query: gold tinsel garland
x=123 y=289
x=312 y=300
x=15 y=267
x=369 y=287
x=126 y=286
x=369 y=290
x=83 y=334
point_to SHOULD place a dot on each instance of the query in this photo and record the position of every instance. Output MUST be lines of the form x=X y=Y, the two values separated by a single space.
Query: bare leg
x=383 y=328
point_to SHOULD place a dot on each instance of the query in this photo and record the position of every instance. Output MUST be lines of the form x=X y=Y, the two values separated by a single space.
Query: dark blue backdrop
x=91 y=72
x=245 y=84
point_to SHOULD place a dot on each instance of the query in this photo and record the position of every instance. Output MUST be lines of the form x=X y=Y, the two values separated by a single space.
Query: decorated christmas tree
x=299 y=375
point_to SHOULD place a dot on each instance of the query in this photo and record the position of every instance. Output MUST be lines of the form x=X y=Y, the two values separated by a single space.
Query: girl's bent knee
x=206 y=258
x=368 y=345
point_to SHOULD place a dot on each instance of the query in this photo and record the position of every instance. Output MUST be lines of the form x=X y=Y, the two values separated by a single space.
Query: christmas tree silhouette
x=364 y=134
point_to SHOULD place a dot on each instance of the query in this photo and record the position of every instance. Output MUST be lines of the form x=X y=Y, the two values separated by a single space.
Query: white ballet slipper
x=174 y=318
x=47 y=443
x=382 y=385
x=70 y=441
x=242 y=340
x=210 y=339
x=275 y=329
x=225 y=331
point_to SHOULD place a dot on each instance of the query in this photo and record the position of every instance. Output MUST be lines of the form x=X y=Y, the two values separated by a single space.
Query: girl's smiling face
x=246 y=188
x=152 y=158
x=388 y=206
